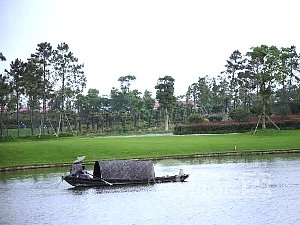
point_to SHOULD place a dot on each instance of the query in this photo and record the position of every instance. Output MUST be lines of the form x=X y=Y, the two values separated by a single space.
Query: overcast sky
x=148 y=39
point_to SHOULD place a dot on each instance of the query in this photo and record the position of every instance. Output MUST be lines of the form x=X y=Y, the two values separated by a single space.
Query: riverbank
x=208 y=155
x=16 y=155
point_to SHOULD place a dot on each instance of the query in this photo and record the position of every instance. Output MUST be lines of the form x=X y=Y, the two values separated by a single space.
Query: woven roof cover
x=127 y=169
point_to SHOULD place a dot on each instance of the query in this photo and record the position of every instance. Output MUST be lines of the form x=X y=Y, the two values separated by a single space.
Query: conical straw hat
x=79 y=159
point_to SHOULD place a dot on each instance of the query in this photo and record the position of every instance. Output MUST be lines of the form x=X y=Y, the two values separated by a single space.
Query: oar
x=59 y=183
x=100 y=179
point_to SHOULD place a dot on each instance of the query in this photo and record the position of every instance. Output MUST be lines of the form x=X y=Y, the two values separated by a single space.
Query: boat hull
x=96 y=182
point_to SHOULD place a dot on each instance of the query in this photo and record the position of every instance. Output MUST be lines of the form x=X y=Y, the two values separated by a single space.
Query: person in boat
x=97 y=171
x=83 y=174
x=77 y=168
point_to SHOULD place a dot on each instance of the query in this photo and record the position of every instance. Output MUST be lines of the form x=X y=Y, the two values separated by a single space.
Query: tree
x=204 y=95
x=246 y=86
x=216 y=101
x=122 y=98
x=148 y=101
x=4 y=92
x=80 y=111
x=33 y=89
x=126 y=82
x=265 y=66
x=126 y=103
x=42 y=58
x=148 y=104
x=192 y=96
x=2 y=57
x=165 y=96
x=16 y=73
x=136 y=105
x=181 y=109
x=69 y=75
x=288 y=66
x=198 y=96
x=234 y=65
x=93 y=104
x=223 y=93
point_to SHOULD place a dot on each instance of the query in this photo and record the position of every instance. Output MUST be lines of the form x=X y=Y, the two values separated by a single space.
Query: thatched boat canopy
x=126 y=169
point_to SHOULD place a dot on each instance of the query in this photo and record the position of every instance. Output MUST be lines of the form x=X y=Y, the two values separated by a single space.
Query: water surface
x=252 y=190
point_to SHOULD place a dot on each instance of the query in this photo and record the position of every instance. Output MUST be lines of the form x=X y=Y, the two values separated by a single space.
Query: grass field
x=64 y=150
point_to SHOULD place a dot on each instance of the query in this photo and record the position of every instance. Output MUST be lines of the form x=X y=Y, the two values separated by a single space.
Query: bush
x=195 y=118
x=240 y=115
x=215 y=118
x=231 y=127
x=295 y=106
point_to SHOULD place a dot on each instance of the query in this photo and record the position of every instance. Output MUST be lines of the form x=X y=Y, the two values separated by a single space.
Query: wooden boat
x=99 y=182
x=118 y=173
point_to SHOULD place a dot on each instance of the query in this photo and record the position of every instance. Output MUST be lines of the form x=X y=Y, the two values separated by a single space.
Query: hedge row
x=231 y=127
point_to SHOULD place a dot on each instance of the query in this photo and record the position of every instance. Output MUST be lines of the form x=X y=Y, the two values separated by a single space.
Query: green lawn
x=64 y=150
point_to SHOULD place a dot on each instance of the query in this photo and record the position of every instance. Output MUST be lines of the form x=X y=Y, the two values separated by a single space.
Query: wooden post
x=257 y=124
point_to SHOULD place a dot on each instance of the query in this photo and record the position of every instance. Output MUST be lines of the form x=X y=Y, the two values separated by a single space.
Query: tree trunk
x=62 y=124
x=1 y=120
x=31 y=121
x=263 y=119
x=166 y=120
x=18 y=120
x=93 y=122
x=79 y=125
x=97 y=124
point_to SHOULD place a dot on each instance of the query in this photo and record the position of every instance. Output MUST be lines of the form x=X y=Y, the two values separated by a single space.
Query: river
x=229 y=190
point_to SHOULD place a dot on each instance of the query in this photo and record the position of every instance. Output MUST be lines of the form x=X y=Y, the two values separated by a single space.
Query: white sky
x=148 y=39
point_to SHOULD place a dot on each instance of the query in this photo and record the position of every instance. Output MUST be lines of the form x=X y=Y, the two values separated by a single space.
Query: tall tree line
x=48 y=78
x=263 y=81
x=50 y=83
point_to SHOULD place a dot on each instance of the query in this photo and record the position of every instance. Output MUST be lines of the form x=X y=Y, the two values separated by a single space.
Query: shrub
x=240 y=115
x=195 y=118
x=295 y=106
x=215 y=118
x=231 y=127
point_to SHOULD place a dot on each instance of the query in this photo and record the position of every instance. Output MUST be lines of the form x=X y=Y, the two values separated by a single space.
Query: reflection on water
x=110 y=189
x=229 y=190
